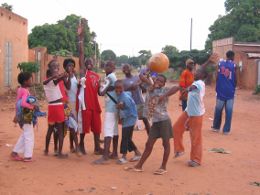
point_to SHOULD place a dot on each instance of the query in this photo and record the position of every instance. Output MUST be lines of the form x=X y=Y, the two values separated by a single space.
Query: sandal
x=122 y=161
x=133 y=169
x=16 y=158
x=27 y=160
x=160 y=172
x=135 y=158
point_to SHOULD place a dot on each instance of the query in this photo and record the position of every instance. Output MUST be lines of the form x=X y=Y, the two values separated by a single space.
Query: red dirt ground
x=221 y=174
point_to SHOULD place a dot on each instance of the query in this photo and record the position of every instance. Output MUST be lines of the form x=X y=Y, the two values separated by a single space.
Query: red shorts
x=56 y=113
x=91 y=120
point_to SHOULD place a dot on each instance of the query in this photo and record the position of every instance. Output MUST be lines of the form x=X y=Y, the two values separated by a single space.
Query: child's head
x=69 y=65
x=25 y=79
x=89 y=64
x=200 y=74
x=189 y=64
x=160 y=81
x=230 y=55
x=109 y=67
x=54 y=67
x=126 y=69
x=119 y=87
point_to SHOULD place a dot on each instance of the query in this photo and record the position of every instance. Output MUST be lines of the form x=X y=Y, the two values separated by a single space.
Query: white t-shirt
x=52 y=91
x=195 y=104
x=73 y=89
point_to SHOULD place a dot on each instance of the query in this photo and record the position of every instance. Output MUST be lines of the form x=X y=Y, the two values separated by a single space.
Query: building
x=13 y=47
x=247 y=57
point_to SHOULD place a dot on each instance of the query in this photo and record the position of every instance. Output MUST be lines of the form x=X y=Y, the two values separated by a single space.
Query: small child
x=128 y=116
x=161 y=124
x=191 y=119
x=25 y=142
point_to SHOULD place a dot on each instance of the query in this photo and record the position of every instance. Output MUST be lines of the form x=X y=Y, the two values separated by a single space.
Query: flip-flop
x=27 y=160
x=122 y=161
x=160 y=172
x=135 y=158
x=133 y=169
x=100 y=161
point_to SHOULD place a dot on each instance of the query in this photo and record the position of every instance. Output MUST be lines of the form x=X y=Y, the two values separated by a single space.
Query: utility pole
x=190 y=34
x=81 y=35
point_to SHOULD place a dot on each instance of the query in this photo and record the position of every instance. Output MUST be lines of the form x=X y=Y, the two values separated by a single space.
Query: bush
x=31 y=67
x=257 y=89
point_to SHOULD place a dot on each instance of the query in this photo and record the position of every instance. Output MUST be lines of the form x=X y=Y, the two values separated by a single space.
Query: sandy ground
x=220 y=173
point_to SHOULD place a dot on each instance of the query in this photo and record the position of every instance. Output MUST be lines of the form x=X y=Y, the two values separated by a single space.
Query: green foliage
x=107 y=55
x=7 y=6
x=63 y=36
x=31 y=67
x=144 y=56
x=123 y=59
x=242 y=22
x=257 y=89
x=63 y=52
x=134 y=61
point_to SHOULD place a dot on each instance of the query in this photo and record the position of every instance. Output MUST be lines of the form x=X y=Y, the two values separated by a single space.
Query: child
x=132 y=84
x=111 y=114
x=25 y=142
x=88 y=108
x=161 y=123
x=191 y=119
x=56 y=114
x=186 y=79
x=128 y=116
x=72 y=87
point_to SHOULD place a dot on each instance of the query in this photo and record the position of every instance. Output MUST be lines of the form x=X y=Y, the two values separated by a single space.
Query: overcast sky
x=128 y=26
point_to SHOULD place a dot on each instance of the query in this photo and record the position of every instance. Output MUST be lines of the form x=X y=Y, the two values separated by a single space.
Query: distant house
x=247 y=57
x=13 y=47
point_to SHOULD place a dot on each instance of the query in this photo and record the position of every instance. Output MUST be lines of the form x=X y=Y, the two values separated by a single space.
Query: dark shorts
x=161 y=129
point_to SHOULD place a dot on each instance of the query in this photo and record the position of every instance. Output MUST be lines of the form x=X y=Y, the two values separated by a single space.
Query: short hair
x=88 y=61
x=52 y=61
x=203 y=71
x=119 y=82
x=230 y=54
x=164 y=77
x=23 y=76
x=48 y=73
x=189 y=61
x=68 y=61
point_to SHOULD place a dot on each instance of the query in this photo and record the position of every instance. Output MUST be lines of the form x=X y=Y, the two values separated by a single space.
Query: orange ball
x=159 y=63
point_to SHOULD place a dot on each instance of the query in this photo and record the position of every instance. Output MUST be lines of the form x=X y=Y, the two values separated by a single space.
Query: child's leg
x=72 y=131
x=131 y=145
x=19 y=146
x=124 y=140
x=55 y=138
x=48 y=138
x=166 y=154
x=147 y=125
x=28 y=140
x=147 y=151
x=178 y=130
x=115 y=146
x=97 y=149
x=74 y=138
x=60 y=127
x=196 y=138
x=81 y=144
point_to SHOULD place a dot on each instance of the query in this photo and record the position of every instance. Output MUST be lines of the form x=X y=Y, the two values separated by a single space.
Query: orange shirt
x=186 y=79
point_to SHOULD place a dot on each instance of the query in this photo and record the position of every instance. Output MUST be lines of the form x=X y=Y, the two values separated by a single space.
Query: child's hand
x=120 y=105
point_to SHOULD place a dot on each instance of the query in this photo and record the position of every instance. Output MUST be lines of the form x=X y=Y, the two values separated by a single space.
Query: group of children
x=73 y=105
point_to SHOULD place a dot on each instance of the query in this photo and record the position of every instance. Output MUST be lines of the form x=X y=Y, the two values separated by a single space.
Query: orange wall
x=13 y=28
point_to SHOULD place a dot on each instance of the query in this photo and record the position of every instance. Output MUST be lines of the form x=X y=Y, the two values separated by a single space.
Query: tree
x=242 y=22
x=7 y=6
x=62 y=36
x=134 y=61
x=30 y=67
x=123 y=59
x=172 y=53
x=144 y=56
x=108 y=55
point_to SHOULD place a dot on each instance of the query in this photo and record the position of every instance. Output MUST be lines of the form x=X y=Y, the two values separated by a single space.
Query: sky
x=128 y=26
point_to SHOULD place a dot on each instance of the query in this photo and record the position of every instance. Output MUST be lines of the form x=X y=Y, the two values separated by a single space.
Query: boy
x=161 y=123
x=191 y=119
x=111 y=114
x=88 y=108
x=186 y=79
x=128 y=116
x=25 y=142
x=132 y=84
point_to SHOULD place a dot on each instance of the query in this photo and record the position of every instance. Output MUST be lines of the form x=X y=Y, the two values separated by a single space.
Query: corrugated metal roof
x=253 y=55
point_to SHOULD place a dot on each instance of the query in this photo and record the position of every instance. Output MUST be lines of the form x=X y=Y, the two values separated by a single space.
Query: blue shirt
x=225 y=85
x=128 y=114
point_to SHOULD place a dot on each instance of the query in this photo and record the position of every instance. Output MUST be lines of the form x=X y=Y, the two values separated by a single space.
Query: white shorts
x=110 y=124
